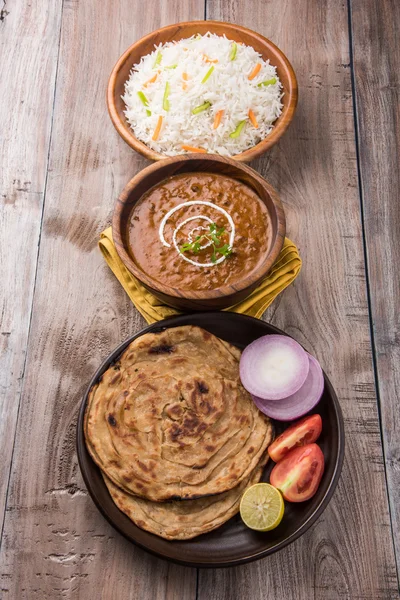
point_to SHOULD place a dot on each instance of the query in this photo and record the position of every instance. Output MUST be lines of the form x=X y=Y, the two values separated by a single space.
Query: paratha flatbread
x=183 y=520
x=171 y=420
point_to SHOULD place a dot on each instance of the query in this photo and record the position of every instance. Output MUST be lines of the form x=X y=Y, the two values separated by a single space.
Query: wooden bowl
x=226 y=295
x=179 y=31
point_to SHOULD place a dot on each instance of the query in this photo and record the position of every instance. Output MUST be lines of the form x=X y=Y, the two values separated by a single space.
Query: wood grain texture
x=176 y=32
x=376 y=55
x=55 y=543
x=29 y=38
x=349 y=552
x=211 y=299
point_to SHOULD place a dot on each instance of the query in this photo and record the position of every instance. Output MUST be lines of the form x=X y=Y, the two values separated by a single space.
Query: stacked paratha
x=176 y=435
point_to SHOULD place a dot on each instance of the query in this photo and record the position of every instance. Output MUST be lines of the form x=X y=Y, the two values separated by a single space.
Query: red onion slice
x=273 y=367
x=299 y=403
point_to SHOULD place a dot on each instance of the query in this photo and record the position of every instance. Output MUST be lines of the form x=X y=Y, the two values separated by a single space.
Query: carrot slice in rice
x=255 y=71
x=253 y=119
x=151 y=80
x=208 y=59
x=193 y=149
x=217 y=119
x=157 y=129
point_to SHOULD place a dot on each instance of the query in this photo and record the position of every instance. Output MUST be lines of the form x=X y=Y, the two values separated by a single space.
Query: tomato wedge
x=303 y=432
x=299 y=473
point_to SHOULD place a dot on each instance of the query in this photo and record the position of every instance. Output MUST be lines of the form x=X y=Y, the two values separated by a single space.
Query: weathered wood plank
x=29 y=40
x=376 y=48
x=349 y=552
x=55 y=542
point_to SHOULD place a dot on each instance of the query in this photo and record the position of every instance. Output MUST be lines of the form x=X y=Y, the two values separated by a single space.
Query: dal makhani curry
x=199 y=231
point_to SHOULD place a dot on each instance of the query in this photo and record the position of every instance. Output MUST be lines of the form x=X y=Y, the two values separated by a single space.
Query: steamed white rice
x=227 y=88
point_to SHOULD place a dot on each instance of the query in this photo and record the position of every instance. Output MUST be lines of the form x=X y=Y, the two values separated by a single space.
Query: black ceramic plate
x=233 y=543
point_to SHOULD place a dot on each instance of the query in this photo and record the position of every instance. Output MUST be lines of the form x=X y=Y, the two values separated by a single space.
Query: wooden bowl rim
x=226 y=290
x=246 y=156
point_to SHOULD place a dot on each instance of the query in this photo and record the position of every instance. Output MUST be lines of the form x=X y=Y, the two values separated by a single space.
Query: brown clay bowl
x=179 y=31
x=190 y=300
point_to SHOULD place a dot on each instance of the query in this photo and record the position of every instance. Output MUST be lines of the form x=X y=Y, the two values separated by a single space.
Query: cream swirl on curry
x=203 y=239
x=199 y=231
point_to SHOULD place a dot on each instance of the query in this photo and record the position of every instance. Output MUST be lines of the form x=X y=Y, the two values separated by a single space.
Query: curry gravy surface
x=252 y=222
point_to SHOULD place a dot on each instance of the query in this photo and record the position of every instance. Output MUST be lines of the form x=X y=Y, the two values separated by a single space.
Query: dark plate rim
x=81 y=449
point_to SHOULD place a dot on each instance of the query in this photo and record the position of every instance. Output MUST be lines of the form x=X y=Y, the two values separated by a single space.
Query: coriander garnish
x=212 y=238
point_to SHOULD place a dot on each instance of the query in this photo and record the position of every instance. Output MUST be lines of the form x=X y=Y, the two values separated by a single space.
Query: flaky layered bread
x=171 y=420
x=182 y=520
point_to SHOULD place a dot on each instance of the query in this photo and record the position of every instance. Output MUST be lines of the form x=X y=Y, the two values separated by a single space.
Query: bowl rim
x=82 y=451
x=246 y=156
x=225 y=290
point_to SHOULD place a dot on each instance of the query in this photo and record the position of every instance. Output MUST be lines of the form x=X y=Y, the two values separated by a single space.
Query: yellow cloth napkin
x=284 y=271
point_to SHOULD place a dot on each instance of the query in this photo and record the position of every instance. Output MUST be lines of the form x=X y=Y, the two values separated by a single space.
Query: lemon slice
x=262 y=507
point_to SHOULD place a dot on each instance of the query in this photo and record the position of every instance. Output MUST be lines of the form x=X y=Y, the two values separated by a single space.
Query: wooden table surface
x=61 y=167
